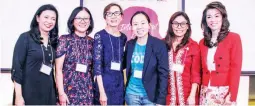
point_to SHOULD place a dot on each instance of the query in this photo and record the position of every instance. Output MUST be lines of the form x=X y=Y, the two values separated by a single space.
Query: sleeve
x=98 y=55
x=163 y=70
x=62 y=46
x=196 y=65
x=125 y=54
x=235 y=67
x=19 y=58
x=125 y=57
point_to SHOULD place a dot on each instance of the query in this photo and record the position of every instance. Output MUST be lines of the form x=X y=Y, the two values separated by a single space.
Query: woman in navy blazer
x=146 y=65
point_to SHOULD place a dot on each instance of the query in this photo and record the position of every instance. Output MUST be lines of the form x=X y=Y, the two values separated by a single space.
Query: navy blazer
x=155 y=70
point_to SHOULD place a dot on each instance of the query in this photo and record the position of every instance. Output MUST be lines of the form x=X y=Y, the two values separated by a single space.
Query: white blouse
x=210 y=58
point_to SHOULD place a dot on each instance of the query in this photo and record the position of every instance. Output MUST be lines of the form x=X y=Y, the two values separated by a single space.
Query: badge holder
x=138 y=74
x=81 y=67
x=46 y=69
x=178 y=67
x=115 y=66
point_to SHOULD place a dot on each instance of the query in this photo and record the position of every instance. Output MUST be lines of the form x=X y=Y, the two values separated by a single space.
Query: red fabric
x=191 y=73
x=228 y=61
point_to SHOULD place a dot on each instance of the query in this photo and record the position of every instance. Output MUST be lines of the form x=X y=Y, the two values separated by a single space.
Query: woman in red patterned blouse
x=184 y=62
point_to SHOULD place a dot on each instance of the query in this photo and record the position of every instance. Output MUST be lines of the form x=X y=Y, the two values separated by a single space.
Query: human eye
x=46 y=16
x=109 y=13
x=208 y=17
x=183 y=23
x=134 y=24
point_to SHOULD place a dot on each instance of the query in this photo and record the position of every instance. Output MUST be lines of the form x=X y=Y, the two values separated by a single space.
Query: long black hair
x=224 y=27
x=70 y=21
x=34 y=27
x=170 y=33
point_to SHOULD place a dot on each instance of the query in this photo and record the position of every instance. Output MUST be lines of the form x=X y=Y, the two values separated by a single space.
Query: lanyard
x=112 y=47
x=78 y=51
x=51 y=61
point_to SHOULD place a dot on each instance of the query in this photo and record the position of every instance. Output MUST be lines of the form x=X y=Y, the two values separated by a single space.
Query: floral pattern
x=213 y=95
x=175 y=78
x=77 y=85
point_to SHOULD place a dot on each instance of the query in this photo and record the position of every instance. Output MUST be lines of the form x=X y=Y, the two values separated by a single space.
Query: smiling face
x=46 y=21
x=113 y=16
x=180 y=26
x=81 y=21
x=214 y=19
x=140 y=25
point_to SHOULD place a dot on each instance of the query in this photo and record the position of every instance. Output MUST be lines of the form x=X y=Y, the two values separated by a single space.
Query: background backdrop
x=16 y=16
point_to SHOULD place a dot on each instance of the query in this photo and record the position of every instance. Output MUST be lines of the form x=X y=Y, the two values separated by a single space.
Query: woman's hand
x=227 y=100
x=103 y=99
x=63 y=99
x=19 y=101
x=191 y=100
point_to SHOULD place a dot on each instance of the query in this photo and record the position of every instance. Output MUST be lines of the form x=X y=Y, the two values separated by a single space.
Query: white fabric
x=210 y=58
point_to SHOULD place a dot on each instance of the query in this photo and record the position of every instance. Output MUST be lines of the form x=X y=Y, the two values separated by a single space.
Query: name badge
x=138 y=74
x=115 y=66
x=45 y=69
x=81 y=68
x=178 y=68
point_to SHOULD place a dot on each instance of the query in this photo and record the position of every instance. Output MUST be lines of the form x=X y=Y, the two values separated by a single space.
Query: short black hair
x=70 y=21
x=108 y=7
x=140 y=12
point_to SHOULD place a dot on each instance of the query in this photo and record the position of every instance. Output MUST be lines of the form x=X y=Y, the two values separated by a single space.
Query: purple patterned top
x=77 y=85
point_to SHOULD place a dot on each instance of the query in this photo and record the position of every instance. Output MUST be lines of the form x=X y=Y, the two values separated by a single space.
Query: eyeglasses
x=116 y=13
x=82 y=19
x=176 y=24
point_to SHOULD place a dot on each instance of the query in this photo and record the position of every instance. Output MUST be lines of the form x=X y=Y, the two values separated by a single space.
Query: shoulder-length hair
x=34 y=27
x=224 y=27
x=70 y=21
x=170 y=33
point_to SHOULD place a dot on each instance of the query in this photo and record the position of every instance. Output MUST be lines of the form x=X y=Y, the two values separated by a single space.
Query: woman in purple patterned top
x=74 y=60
